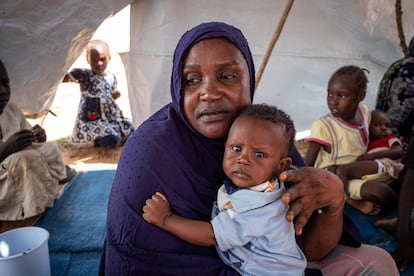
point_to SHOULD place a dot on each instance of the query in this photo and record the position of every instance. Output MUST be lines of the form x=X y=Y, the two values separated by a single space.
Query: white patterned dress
x=98 y=114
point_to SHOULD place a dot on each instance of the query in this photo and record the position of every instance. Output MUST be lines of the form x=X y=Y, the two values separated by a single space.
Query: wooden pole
x=398 y=16
x=275 y=37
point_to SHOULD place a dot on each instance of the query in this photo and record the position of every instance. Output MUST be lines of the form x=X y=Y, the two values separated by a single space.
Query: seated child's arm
x=312 y=153
x=157 y=211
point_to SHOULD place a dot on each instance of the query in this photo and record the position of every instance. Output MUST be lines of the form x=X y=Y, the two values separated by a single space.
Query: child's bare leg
x=379 y=193
x=364 y=206
x=356 y=170
x=389 y=224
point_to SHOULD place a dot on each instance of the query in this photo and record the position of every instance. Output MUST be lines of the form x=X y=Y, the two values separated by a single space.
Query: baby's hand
x=156 y=209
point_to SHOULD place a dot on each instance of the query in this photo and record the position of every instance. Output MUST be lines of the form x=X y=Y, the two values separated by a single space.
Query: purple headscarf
x=195 y=35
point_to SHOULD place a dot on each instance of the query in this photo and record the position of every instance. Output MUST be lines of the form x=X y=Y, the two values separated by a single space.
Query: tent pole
x=398 y=17
x=275 y=37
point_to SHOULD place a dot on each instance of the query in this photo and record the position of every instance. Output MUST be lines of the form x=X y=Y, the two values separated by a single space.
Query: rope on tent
x=398 y=17
x=275 y=37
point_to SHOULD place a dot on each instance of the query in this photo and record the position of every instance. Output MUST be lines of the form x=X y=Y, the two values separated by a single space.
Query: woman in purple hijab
x=178 y=151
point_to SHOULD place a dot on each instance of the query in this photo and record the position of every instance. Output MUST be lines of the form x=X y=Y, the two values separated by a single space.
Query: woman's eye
x=227 y=76
x=260 y=154
x=191 y=80
x=235 y=148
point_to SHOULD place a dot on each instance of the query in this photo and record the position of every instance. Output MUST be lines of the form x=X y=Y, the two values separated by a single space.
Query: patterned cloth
x=253 y=236
x=396 y=96
x=28 y=178
x=98 y=114
x=346 y=141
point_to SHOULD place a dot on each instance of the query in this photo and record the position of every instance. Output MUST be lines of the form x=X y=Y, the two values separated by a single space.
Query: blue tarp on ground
x=375 y=235
x=76 y=224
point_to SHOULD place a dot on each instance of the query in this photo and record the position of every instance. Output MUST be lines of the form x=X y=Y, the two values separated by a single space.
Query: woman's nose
x=210 y=91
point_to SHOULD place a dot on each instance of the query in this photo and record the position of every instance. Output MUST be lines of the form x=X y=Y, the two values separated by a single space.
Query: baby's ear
x=285 y=164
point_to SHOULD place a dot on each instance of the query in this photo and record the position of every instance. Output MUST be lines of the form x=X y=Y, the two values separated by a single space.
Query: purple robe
x=167 y=155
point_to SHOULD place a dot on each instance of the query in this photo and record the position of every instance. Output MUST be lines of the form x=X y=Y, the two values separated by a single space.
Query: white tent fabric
x=41 y=40
x=318 y=37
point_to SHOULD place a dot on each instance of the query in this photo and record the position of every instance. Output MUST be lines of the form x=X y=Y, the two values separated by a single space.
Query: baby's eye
x=236 y=148
x=260 y=154
x=329 y=94
x=342 y=96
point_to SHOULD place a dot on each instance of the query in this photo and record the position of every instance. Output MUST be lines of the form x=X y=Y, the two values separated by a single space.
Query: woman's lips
x=212 y=116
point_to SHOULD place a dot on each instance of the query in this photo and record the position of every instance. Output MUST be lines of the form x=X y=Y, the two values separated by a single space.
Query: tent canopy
x=42 y=39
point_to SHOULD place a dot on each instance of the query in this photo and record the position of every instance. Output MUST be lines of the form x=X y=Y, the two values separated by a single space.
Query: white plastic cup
x=24 y=251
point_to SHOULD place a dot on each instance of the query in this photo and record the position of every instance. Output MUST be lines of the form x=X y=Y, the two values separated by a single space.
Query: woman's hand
x=316 y=200
x=156 y=209
x=312 y=189
x=38 y=134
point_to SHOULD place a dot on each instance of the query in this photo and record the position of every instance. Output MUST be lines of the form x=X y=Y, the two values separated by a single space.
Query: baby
x=248 y=227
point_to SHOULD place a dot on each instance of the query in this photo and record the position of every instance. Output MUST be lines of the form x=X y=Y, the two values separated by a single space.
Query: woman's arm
x=313 y=190
x=158 y=212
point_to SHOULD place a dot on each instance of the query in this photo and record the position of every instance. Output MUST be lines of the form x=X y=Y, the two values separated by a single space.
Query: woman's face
x=215 y=86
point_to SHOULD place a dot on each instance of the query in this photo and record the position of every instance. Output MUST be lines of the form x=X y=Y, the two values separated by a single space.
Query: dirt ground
x=73 y=155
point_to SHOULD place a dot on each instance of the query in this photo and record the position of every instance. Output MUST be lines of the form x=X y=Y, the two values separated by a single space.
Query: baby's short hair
x=272 y=114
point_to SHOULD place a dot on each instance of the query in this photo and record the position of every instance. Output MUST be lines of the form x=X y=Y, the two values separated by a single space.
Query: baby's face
x=380 y=125
x=98 y=58
x=256 y=151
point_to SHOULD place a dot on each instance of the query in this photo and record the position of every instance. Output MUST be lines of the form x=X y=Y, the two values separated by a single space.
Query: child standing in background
x=248 y=226
x=341 y=136
x=99 y=118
